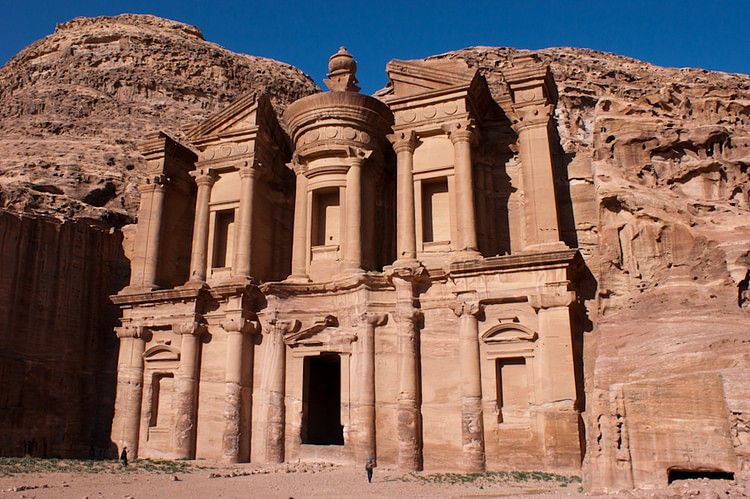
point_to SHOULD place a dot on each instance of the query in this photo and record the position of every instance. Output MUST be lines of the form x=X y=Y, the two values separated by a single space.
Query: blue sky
x=712 y=35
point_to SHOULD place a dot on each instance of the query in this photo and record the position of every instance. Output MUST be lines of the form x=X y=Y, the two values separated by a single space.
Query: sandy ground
x=310 y=481
x=284 y=482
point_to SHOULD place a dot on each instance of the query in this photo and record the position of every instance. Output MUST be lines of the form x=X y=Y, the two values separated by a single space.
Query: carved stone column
x=365 y=408
x=204 y=178
x=460 y=134
x=353 y=231
x=237 y=330
x=404 y=144
x=187 y=389
x=472 y=425
x=409 y=415
x=275 y=389
x=243 y=252
x=150 y=214
x=126 y=424
x=300 y=237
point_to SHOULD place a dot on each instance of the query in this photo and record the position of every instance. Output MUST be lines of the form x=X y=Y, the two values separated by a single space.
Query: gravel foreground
x=59 y=479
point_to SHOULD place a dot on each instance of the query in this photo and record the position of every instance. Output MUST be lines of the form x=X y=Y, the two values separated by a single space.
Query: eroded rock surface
x=74 y=104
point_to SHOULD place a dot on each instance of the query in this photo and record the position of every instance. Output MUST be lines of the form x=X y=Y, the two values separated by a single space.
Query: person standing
x=369 y=467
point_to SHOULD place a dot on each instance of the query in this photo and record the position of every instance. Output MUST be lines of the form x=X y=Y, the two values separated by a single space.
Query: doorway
x=321 y=400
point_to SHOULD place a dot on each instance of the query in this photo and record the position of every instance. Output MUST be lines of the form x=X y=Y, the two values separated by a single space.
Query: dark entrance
x=321 y=399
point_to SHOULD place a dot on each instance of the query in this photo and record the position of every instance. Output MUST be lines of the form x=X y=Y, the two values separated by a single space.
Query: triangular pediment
x=240 y=116
x=416 y=77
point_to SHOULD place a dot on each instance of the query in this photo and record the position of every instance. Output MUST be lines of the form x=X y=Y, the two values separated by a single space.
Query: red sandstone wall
x=58 y=355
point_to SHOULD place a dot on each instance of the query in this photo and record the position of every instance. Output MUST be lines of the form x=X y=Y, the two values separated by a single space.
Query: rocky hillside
x=74 y=104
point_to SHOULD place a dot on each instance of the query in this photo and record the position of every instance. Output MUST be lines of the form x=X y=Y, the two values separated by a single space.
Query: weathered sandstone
x=650 y=169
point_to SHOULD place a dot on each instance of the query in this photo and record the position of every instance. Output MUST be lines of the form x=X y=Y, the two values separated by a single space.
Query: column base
x=467 y=255
x=194 y=284
x=298 y=278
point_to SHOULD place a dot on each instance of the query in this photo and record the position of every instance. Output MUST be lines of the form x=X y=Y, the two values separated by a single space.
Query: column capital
x=140 y=332
x=190 y=328
x=372 y=318
x=152 y=183
x=297 y=166
x=204 y=176
x=534 y=115
x=356 y=155
x=405 y=140
x=248 y=168
x=544 y=301
x=467 y=303
x=241 y=325
x=460 y=131
x=282 y=327
x=407 y=315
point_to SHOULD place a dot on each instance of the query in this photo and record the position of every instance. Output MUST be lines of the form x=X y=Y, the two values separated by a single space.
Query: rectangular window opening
x=512 y=390
x=326 y=218
x=223 y=239
x=435 y=211
x=161 y=390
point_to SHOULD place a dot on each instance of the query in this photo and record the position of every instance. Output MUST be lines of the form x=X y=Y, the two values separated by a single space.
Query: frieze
x=334 y=132
x=428 y=113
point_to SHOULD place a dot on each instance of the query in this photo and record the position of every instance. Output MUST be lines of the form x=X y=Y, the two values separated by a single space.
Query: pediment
x=161 y=352
x=321 y=332
x=241 y=115
x=508 y=333
x=416 y=77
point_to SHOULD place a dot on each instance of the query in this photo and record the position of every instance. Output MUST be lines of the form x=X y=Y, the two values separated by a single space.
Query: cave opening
x=682 y=474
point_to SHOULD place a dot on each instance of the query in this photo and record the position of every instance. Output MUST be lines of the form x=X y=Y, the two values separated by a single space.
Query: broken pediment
x=416 y=77
x=244 y=115
x=320 y=332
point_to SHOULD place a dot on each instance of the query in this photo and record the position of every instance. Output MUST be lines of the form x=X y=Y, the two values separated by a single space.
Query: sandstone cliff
x=73 y=106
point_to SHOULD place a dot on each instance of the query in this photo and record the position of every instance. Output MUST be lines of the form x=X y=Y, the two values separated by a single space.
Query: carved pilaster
x=533 y=93
x=130 y=364
x=237 y=329
x=241 y=266
x=187 y=388
x=274 y=388
x=364 y=407
x=461 y=134
x=472 y=424
x=352 y=233
x=404 y=143
x=204 y=179
x=300 y=236
x=148 y=237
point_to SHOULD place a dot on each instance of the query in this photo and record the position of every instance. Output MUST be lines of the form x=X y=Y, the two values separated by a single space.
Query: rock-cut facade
x=365 y=276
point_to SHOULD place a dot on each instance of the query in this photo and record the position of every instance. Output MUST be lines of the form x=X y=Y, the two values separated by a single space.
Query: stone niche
x=388 y=280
